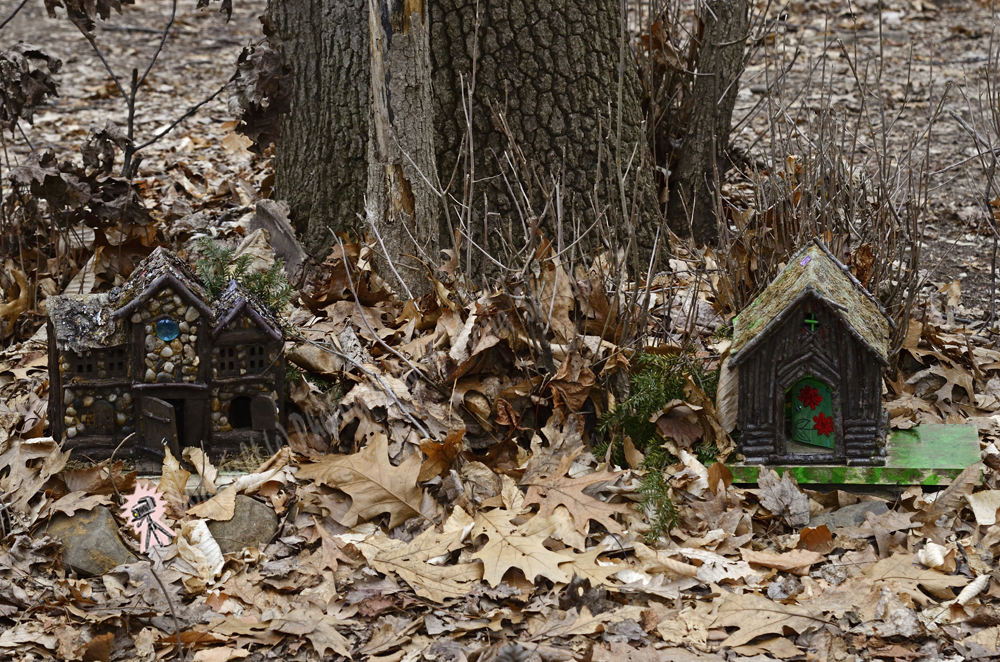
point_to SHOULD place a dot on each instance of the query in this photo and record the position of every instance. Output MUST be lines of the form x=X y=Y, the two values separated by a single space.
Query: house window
x=256 y=359
x=83 y=364
x=227 y=362
x=115 y=361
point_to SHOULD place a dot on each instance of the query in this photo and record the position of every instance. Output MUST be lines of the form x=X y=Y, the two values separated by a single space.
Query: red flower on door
x=824 y=424
x=810 y=397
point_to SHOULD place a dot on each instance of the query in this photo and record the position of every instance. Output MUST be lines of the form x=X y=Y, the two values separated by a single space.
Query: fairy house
x=809 y=352
x=161 y=358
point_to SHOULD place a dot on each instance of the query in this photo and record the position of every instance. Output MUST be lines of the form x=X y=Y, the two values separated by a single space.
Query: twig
x=13 y=14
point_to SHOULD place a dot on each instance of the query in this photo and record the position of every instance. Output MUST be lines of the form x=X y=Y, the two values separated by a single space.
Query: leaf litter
x=427 y=509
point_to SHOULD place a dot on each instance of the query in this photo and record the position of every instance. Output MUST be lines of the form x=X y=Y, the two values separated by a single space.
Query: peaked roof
x=93 y=321
x=813 y=271
x=236 y=299
x=161 y=266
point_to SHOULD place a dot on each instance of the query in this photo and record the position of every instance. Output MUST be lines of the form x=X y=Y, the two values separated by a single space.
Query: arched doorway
x=809 y=417
x=239 y=413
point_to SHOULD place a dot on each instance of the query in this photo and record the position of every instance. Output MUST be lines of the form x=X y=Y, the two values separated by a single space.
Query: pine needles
x=220 y=265
x=657 y=381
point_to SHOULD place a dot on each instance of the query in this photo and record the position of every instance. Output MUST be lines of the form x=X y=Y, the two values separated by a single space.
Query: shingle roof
x=815 y=270
x=235 y=299
x=96 y=320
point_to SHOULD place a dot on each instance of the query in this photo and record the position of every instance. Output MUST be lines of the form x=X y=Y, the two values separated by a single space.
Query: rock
x=253 y=525
x=191 y=314
x=166 y=352
x=150 y=343
x=150 y=375
x=854 y=515
x=90 y=541
x=163 y=377
x=168 y=367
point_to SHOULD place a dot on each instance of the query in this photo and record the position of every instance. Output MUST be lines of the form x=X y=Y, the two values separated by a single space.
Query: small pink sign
x=144 y=510
x=806 y=260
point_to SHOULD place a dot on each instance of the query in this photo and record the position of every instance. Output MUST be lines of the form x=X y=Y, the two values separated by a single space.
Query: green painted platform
x=925 y=455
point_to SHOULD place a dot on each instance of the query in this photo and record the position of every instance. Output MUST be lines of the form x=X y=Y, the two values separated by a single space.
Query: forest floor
x=424 y=546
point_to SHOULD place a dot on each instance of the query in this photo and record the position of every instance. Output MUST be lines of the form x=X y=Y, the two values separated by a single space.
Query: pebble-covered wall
x=105 y=410
x=171 y=334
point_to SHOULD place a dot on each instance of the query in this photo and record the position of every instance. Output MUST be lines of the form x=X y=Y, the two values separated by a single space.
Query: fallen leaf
x=754 y=615
x=509 y=547
x=561 y=490
x=374 y=485
x=783 y=497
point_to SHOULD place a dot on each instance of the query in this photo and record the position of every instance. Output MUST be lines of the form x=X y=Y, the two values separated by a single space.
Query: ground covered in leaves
x=459 y=482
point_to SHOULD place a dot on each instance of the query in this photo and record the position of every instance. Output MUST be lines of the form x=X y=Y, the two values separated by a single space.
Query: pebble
x=168 y=367
x=191 y=314
x=88 y=401
x=166 y=352
x=136 y=318
x=164 y=377
x=150 y=375
x=184 y=327
x=121 y=419
x=70 y=432
x=150 y=343
x=70 y=411
x=188 y=352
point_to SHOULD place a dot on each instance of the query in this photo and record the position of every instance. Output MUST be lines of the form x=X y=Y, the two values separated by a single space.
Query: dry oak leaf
x=561 y=490
x=783 y=497
x=315 y=626
x=374 y=485
x=796 y=561
x=510 y=546
x=440 y=454
x=572 y=623
x=755 y=615
x=220 y=508
x=586 y=565
x=573 y=380
x=902 y=572
x=412 y=563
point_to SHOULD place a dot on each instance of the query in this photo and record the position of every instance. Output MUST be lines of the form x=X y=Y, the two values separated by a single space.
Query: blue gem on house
x=167 y=329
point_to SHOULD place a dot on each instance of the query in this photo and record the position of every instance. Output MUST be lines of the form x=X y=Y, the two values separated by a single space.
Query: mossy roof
x=235 y=299
x=94 y=321
x=813 y=269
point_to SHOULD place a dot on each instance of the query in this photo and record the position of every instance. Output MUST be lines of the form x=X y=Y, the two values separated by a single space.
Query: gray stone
x=166 y=352
x=90 y=541
x=191 y=314
x=854 y=515
x=150 y=375
x=253 y=525
x=168 y=367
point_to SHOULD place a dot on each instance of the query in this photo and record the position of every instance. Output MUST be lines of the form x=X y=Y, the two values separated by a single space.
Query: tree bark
x=551 y=69
x=321 y=162
x=693 y=207
x=402 y=204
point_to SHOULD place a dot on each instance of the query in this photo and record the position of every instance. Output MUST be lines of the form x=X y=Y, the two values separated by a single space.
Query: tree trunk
x=321 y=162
x=551 y=70
x=402 y=204
x=693 y=205
x=377 y=111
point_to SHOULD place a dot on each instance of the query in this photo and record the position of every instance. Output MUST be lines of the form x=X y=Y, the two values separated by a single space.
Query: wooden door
x=104 y=418
x=263 y=413
x=159 y=425
x=811 y=409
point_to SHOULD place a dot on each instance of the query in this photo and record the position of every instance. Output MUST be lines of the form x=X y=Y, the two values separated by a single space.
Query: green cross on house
x=812 y=321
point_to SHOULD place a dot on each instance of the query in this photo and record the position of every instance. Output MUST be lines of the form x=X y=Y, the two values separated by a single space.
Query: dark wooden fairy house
x=809 y=352
x=162 y=358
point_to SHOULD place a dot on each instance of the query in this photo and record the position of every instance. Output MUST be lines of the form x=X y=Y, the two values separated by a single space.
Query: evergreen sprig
x=221 y=265
x=656 y=381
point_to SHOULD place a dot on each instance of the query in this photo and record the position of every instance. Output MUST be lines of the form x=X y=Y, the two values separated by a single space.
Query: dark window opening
x=226 y=362
x=181 y=428
x=239 y=413
x=115 y=362
x=256 y=359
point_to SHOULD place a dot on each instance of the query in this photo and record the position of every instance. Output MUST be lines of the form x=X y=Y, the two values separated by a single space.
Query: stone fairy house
x=161 y=358
x=810 y=351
